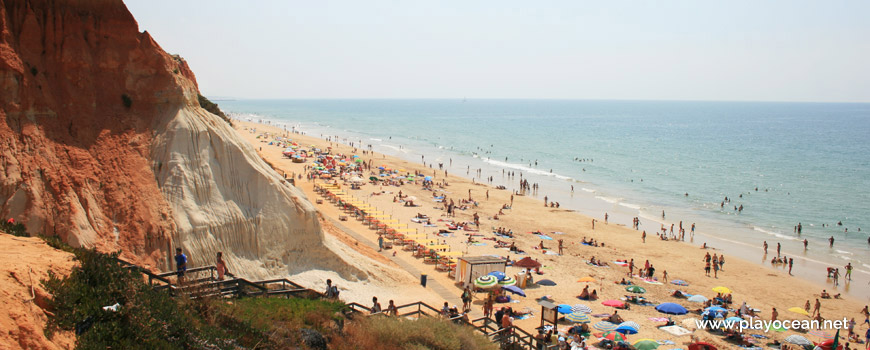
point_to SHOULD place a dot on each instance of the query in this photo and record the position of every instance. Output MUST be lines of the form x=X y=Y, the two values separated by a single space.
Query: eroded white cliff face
x=224 y=197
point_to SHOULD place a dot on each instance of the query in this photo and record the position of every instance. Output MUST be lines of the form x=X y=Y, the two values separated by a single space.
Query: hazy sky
x=674 y=50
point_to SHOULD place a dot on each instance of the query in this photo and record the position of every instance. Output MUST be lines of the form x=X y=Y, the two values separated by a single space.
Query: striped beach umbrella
x=486 y=282
x=578 y=317
x=604 y=326
x=581 y=308
x=680 y=282
x=631 y=324
x=507 y=281
x=798 y=340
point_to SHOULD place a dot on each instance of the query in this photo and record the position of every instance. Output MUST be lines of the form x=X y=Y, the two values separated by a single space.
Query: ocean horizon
x=784 y=163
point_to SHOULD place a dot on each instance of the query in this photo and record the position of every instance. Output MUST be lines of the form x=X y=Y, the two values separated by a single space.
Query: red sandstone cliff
x=103 y=143
x=73 y=158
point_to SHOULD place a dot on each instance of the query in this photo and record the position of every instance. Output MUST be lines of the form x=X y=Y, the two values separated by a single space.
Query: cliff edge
x=104 y=144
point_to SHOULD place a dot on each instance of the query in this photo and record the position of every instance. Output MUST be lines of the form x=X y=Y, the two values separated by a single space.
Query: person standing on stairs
x=180 y=265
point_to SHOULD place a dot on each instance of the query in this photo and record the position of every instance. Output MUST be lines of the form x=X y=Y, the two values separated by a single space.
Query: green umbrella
x=373 y=178
x=646 y=344
x=635 y=289
x=507 y=281
x=486 y=282
x=359 y=160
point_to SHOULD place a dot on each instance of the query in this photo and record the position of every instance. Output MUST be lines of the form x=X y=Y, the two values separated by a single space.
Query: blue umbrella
x=427 y=178
x=546 y=282
x=671 y=308
x=734 y=319
x=498 y=274
x=564 y=309
x=626 y=330
x=716 y=309
x=514 y=289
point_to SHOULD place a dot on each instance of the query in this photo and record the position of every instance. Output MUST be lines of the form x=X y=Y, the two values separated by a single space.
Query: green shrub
x=212 y=107
x=399 y=333
x=15 y=229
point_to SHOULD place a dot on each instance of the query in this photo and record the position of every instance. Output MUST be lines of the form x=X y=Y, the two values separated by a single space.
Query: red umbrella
x=614 y=336
x=827 y=344
x=528 y=263
x=702 y=346
x=613 y=303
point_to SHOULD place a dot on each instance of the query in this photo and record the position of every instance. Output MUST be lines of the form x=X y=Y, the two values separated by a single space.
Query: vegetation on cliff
x=139 y=317
x=212 y=107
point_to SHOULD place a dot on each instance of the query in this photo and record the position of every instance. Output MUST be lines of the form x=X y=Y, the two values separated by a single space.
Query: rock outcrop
x=103 y=143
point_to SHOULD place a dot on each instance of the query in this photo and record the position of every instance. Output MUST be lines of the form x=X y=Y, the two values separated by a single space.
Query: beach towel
x=552 y=253
x=545 y=237
x=557 y=233
x=623 y=264
x=676 y=330
x=665 y=342
x=479 y=244
x=659 y=319
x=652 y=282
x=430 y=225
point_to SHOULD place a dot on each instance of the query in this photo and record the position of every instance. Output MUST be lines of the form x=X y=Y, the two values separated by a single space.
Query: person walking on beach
x=665 y=276
x=832 y=241
x=807 y=306
x=806 y=242
x=765 y=247
x=790 y=265
x=837 y=276
x=631 y=268
x=722 y=262
x=380 y=243
x=778 y=248
x=715 y=269
x=643 y=236
x=466 y=299
x=606 y=216
x=817 y=308
x=561 y=244
x=180 y=265
x=593 y=224
x=849 y=271
x=707 y=268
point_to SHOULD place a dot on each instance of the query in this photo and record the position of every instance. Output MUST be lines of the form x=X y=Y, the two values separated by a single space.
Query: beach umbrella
x=604 y=326
x=702 y=346
x=359 y=160
x=427 y=178
x=498 y=274
x=577 y=317
x=723 y=290
x=626 y=330
x=646 y=344
x=528 y=263
x=507 y=281
x=799 y=310
x=716 y=309
x=631 y=324
x=564 y=309
x=614 y=336
x=797 y=340
x=636 y=289
x=671 y=309
x=698 y=298
x=373 y=178
x=613 y=303
x=486 y=282
x=514 y=289
x=586 y=279
x=733 y=320
x=546 y=282
x=581 y=308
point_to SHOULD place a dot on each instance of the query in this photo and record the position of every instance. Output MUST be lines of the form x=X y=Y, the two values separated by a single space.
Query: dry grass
x=397 y=333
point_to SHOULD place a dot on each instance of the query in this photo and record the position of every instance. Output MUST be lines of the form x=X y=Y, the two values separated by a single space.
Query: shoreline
x=809 y=268
x=761 y=290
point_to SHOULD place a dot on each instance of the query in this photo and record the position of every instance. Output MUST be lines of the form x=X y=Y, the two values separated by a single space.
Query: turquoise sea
x=809 y=161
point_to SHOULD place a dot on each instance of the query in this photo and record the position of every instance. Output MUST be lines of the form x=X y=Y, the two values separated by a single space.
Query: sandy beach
x=760 y=288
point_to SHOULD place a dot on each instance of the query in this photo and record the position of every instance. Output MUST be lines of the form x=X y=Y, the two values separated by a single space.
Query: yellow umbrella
x=586 y=279
x=799 y=310
x=723 y=290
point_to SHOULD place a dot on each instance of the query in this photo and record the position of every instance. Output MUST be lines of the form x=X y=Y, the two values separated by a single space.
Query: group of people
x=716 y=262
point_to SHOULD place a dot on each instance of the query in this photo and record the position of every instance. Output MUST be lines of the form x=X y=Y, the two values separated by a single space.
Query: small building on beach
x=469 y=268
